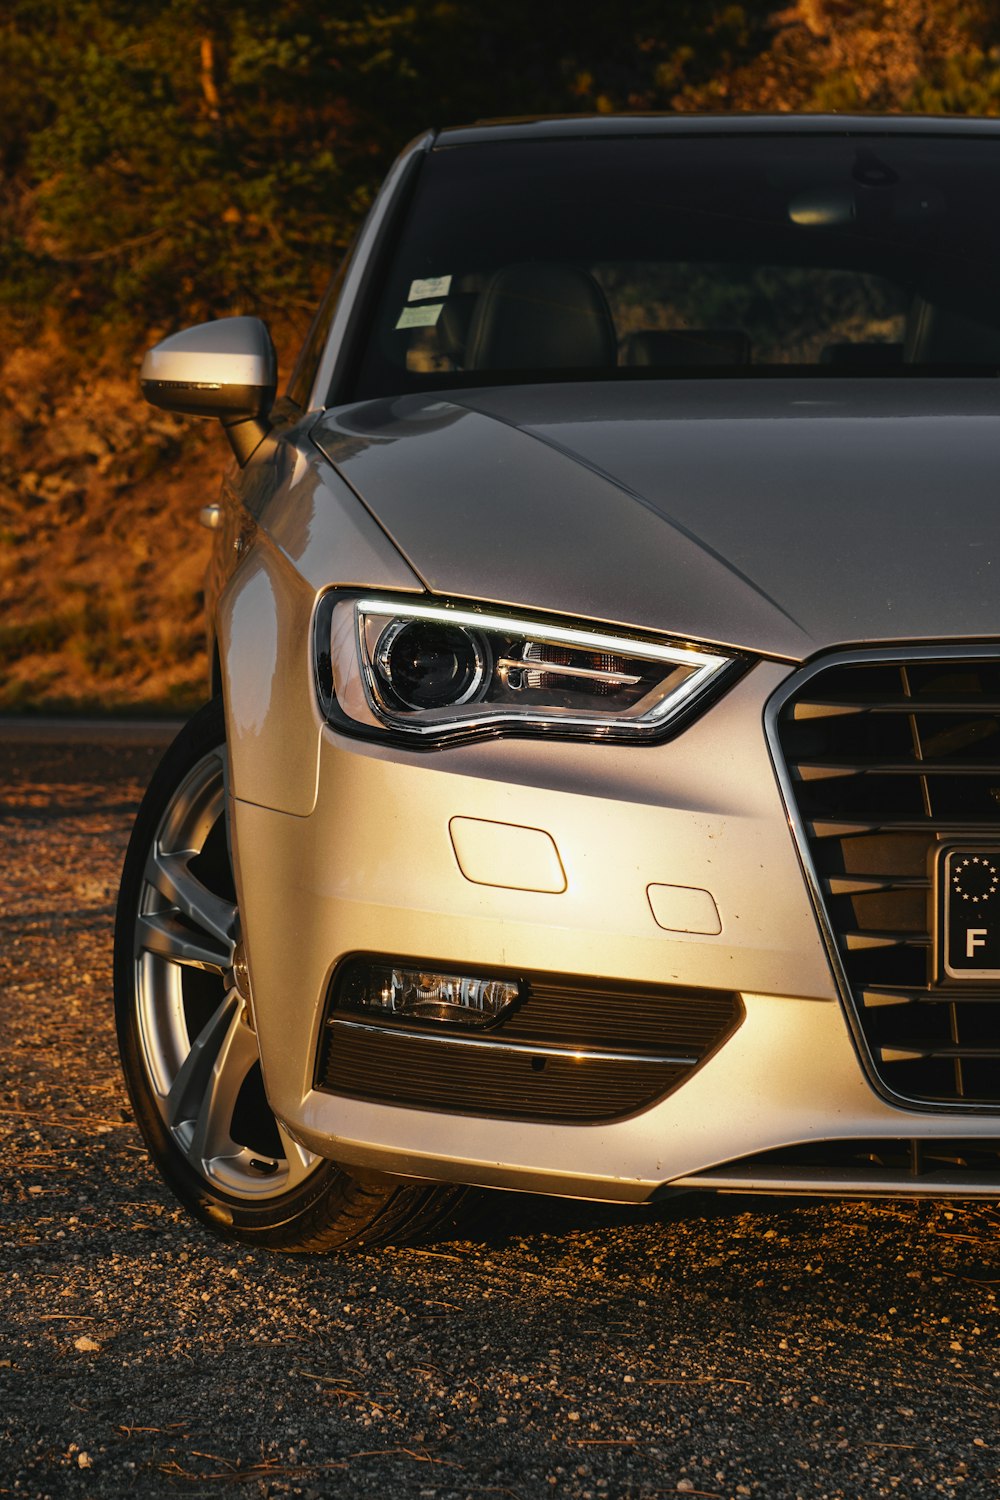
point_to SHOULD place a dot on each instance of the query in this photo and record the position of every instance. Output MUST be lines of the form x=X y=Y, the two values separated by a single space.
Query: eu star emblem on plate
x=968 y=905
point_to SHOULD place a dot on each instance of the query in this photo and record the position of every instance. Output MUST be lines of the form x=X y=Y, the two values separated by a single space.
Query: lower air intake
x=574 y=1050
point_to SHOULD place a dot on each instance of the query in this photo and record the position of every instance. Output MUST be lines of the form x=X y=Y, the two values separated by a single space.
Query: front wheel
x=186 y=1037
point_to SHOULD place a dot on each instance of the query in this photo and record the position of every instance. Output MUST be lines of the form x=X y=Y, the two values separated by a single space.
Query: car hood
x=780 y=517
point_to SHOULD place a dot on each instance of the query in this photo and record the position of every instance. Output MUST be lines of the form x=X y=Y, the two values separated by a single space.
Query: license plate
x=968 y=883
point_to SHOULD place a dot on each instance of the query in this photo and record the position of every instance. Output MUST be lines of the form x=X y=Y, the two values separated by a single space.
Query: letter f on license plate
x=968 y=906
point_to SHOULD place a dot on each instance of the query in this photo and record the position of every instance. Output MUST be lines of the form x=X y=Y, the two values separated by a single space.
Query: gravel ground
x=720 y=1347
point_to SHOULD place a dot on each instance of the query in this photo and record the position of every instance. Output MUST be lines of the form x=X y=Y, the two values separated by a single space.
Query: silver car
x=600 y=789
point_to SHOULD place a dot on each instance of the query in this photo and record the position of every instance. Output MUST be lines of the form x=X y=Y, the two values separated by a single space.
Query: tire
x=188 y=1049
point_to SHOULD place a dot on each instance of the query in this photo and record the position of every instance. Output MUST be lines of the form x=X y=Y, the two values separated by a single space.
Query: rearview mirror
x=226 y=369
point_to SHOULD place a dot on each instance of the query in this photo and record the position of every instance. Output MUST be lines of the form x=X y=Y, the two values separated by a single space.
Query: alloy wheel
x=193 y=1001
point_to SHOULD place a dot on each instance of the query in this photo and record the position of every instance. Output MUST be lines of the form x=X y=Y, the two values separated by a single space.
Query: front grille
x=887 y=759
x=575 y=1050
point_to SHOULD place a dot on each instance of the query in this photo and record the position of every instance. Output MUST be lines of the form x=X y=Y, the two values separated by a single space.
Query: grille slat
x=830 y=708
x=857 y=885
x=887 y=760
x=914 y=1051
x=818 y=771
x=875 y=994
x=856 y=941
x=972 y=828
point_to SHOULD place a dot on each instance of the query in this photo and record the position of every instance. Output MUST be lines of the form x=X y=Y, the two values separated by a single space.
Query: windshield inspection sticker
x=430 y=286
x=420 y=317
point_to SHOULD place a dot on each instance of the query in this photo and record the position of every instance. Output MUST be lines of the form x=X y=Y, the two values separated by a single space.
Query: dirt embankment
x=101 y=554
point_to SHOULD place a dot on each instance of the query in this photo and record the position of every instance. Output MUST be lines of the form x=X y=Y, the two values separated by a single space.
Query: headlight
x=437 y=671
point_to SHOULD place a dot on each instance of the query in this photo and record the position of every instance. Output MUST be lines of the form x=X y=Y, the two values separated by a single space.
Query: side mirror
x=226 y=369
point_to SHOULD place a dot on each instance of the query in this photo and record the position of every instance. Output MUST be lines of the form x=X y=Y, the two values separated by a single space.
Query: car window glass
x=664 y=256
x=304 y=374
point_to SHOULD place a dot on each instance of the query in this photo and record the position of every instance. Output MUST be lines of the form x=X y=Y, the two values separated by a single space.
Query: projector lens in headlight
x=430 y=664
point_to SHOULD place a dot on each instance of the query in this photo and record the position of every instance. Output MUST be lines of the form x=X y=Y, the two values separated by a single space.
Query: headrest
x=536 y=316
x=687 y=346
x=453 y=324
x=936 y=335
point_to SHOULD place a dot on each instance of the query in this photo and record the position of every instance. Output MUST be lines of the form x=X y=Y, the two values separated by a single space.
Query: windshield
x=746 y=255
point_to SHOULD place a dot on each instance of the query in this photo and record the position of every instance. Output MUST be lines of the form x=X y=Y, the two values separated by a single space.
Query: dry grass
x=101 y=556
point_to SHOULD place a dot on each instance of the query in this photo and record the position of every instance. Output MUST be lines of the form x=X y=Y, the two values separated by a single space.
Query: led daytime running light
x=563 y=634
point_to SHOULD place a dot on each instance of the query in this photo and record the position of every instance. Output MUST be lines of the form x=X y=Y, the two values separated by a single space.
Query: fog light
x=462 y=999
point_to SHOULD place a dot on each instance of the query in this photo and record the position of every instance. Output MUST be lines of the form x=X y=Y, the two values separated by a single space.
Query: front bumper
x=374 y=868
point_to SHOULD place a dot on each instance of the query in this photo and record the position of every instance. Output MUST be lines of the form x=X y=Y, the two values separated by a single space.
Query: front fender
x=309 y=534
